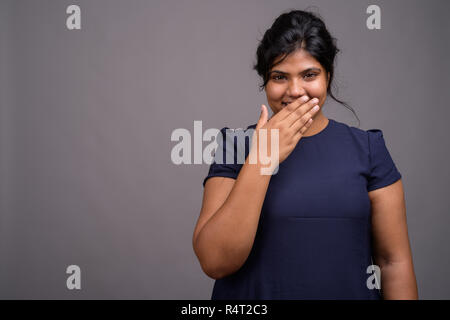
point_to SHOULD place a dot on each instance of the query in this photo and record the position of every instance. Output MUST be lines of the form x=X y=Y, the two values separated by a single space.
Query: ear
x=328 y=79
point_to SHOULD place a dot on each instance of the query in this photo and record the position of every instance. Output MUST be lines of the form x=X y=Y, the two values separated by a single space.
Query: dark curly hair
x=294 y=30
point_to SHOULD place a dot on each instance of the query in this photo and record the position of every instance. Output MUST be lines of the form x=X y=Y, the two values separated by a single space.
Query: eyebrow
x=304 y=71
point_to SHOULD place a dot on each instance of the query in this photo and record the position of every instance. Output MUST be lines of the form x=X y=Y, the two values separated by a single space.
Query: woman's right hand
x=292 y=121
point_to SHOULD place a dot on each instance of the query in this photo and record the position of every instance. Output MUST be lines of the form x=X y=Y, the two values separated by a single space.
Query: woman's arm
x=228 y=220
x=392 y=252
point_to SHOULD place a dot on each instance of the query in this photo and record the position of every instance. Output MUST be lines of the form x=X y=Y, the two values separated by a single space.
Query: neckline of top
x=326 y=129
x=330 y=122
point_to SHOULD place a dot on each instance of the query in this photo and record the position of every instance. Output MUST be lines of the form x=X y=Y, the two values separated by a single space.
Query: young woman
x=333 y=213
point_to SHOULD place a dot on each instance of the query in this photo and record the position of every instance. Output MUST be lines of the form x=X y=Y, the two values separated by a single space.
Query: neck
x=319 y=123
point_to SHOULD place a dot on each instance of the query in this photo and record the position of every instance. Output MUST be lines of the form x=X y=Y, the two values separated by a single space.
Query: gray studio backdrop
x=87 y=115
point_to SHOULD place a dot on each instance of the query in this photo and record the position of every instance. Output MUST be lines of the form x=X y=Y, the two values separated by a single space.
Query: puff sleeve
x=383 y=171
x=231 y=147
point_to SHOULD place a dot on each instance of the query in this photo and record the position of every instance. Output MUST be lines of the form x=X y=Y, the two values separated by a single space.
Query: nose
x=295 y=90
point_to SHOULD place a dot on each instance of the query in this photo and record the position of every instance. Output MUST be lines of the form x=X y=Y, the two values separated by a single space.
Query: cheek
x=317 y=87
x=319 y=90
x=274 y=92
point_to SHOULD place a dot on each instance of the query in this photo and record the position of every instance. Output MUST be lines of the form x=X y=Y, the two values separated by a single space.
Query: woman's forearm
x=225 y=241
x=398 y=281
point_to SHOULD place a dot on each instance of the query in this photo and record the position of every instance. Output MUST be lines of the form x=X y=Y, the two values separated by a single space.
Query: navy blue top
x=314 y=234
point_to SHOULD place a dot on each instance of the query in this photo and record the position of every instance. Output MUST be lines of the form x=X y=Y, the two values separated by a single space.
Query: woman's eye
x=310 y=75
x=277 y=77
x=307 y=76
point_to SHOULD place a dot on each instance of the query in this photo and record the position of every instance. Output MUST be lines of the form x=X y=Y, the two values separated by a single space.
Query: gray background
x=86 y=120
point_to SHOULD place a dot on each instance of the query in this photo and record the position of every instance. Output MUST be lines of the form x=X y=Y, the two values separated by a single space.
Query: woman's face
x=299 y=74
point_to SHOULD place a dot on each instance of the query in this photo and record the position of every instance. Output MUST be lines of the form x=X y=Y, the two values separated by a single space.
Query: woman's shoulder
x=356 y=132
x=233 y=131
x=348 y=128
x=237 y=137
x=251 y=126
x=368 y=140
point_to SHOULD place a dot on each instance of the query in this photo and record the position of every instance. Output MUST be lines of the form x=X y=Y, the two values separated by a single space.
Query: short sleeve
x=231 y=146
x=383 y=171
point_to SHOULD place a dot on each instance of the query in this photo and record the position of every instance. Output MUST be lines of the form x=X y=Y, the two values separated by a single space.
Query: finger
x=306 y=126
x=300 y=111
x=300 y=122
x=299 y=134
x=262 y=117
x=286 y=111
